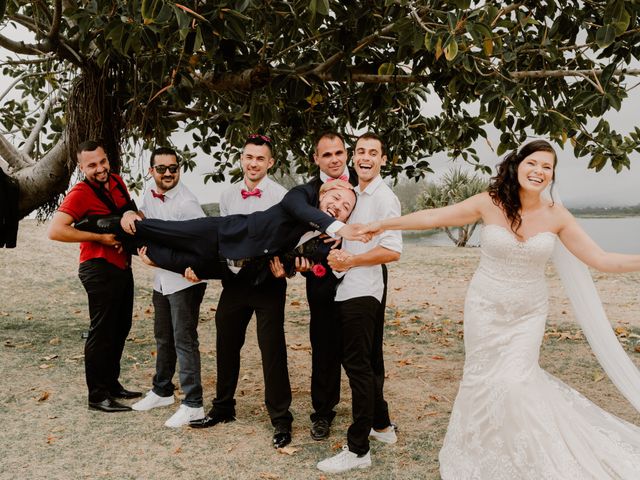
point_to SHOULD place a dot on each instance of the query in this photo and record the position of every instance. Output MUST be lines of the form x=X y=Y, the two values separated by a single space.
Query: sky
x=577 y=185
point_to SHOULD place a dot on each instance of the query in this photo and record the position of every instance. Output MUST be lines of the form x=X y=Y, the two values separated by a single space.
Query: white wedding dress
x=511 y=419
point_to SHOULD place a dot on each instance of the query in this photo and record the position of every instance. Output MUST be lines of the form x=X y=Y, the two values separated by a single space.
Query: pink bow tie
x=253 y=193
x=157 y=195
x=344 y=178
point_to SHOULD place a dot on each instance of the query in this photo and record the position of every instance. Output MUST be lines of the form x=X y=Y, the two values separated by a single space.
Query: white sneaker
x=151 y=400
x=388 y=436
x=345 y=461
x=184 y=415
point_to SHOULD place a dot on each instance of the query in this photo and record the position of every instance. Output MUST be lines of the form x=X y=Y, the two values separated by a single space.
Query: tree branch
x=21 y=48
x=505 y=11
x=12 y=156
x=30 y=142
x=54 y=31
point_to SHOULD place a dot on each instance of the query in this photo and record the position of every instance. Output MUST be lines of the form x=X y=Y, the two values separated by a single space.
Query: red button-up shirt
x=82 y=201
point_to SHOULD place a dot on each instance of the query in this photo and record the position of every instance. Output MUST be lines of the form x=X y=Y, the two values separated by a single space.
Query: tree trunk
x=45 y=180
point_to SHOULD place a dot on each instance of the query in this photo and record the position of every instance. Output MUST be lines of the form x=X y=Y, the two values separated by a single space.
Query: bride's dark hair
x=504 y=188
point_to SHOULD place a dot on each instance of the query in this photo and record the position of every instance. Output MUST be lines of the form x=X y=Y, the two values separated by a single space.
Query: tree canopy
x=427 y=75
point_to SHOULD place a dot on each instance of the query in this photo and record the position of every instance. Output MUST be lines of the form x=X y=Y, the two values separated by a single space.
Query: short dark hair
x=89 y=146
x=374 y=136
x=162 y=151
x=258 y=139
x=330 y=134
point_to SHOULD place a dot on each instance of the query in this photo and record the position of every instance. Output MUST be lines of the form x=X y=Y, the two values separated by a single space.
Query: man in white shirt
x=176 y=301
x=241 y=297
x=360 y=301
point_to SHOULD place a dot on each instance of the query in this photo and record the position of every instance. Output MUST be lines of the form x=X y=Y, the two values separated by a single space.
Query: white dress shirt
x=376 y=202
x=179 y=204
x=232 y=203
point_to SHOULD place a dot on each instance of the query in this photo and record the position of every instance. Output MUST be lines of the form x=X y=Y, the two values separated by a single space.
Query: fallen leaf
x=269 y=476
x=598 y=376
x=54 y=341
x=49 y=357
x=45 y=365
x=295 y=303
x=44 y=396
x=178 y=450
x=437 y=357
x=51 y=439
x=288 y=450
x=299 y=346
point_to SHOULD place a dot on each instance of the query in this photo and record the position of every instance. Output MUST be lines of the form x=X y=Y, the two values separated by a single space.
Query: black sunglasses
x=163 y=168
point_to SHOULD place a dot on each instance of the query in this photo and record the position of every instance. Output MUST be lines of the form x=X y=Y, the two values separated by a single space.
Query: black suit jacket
x=275 y=230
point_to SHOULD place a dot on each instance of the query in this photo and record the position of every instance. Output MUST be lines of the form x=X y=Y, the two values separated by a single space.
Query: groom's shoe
x=99 y=224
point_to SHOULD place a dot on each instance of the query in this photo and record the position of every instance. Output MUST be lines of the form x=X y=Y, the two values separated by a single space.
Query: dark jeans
x=110 y=293
x=238 y=301
x=176 y=330
x=324 y=334
x=363 y=363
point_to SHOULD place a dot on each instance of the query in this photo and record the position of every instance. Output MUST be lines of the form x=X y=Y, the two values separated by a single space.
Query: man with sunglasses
x=176 y=301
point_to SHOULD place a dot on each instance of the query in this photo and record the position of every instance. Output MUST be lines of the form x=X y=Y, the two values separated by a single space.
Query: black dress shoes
x=281 y=436
x=320 y=429
x=99 y=224
x=210 y=420
x=109 y=405
x=124 y=393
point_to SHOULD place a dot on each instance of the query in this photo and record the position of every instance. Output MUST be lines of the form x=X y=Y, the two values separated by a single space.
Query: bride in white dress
x=511 y=419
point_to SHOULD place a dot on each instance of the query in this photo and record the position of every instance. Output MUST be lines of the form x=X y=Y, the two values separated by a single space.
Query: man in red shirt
x=104 y=271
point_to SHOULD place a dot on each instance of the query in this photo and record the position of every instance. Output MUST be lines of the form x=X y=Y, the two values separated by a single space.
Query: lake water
x=613 y=234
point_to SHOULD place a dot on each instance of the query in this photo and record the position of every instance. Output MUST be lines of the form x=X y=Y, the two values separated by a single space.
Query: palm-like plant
x=456 y=185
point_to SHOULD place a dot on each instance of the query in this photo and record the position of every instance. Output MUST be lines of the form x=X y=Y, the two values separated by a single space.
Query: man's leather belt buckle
x=241 y=262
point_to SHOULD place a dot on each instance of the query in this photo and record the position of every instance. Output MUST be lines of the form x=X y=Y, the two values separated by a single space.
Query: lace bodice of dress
x=504 y=257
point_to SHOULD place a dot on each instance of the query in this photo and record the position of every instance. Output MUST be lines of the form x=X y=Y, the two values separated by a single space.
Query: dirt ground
x=49 y=433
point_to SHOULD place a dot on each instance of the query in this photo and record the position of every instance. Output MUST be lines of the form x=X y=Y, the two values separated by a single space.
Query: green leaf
x=598 y=162
x=386 y=69
x=451 y=50
x=605 y=36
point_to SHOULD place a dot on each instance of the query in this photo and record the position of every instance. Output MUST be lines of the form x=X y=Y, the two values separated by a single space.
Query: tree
x=134 y=72
x=455 y=186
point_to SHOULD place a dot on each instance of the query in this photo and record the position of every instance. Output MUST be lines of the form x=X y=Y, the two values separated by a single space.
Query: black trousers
x=362 y=327
x=325 y=333
x=326 y=347
x=110 y=293
x=238 y=301
x=184 y=243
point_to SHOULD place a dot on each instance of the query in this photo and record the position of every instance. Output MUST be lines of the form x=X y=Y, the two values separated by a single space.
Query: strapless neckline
x=515 y=239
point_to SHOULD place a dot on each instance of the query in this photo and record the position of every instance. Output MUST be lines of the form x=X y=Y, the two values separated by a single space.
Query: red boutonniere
x=318 y=270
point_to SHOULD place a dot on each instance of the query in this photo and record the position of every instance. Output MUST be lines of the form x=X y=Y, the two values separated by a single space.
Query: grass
x=48 y=431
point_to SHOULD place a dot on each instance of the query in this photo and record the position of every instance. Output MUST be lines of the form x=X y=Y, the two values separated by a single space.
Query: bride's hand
x=373 y=229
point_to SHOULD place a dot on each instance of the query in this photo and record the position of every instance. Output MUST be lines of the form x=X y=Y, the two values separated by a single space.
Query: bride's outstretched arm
x=456 y=215
x=586 y=249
